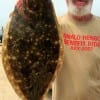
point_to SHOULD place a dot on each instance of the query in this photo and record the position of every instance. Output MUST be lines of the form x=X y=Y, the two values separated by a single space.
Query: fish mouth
x=80 y=3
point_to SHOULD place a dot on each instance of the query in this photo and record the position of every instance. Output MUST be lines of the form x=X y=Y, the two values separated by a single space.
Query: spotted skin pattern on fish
x=32 y=48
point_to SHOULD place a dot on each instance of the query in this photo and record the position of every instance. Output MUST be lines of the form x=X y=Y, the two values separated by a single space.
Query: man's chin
x=77 y=11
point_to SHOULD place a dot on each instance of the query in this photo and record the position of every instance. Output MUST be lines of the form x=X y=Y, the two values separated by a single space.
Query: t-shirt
x=79 y=77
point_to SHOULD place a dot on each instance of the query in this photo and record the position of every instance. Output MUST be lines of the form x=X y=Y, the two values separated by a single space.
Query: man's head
x=79 y=7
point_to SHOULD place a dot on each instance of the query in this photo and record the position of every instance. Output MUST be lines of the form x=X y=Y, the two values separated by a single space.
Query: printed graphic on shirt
x=81 y=42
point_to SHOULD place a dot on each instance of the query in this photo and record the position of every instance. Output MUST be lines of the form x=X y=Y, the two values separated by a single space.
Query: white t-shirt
x=79 y=78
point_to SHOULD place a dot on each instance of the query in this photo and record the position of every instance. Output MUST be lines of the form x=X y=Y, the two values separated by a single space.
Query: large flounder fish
x=32 y=48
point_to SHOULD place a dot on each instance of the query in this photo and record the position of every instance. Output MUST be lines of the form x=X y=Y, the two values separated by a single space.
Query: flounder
x=32 y=48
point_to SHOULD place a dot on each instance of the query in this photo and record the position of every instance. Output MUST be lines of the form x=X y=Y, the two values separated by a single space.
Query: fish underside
x=31 y=48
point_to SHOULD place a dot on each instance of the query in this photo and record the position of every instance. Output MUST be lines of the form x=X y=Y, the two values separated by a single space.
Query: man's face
x=79 y=7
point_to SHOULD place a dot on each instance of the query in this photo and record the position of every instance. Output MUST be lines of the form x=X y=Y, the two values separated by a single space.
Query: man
x=79 y=78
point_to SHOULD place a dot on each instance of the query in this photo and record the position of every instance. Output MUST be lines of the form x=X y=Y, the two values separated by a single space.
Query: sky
x=7 y=6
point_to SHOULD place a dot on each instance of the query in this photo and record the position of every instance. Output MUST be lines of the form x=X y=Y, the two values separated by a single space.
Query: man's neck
x=84 y=18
